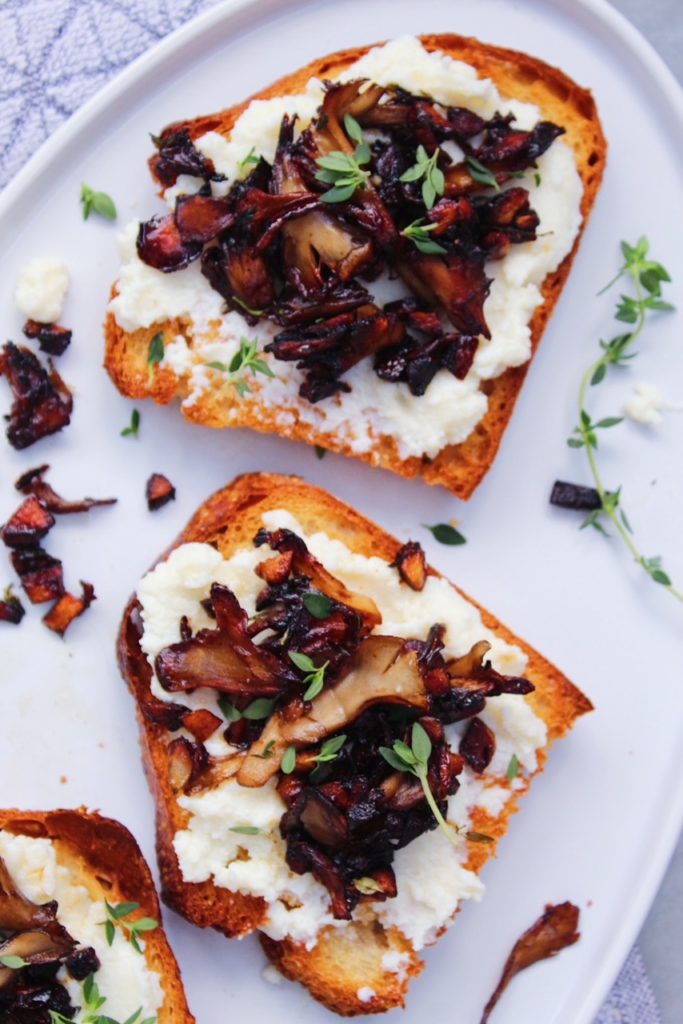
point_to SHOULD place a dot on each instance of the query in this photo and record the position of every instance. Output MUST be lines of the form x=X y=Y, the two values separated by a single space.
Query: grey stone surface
x=661 y=940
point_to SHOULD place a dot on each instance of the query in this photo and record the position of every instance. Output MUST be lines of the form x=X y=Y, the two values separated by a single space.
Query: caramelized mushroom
x=32 y=482
x=381 y=671
x=159 y=491
x=28 y=525
x=225 y=658
x=68 y=608
x=42 y=402
x=411 y=565
x=52 y=338
x=41 y=575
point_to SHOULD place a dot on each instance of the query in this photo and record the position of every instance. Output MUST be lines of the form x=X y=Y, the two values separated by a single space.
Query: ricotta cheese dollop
x=451 y=408
x=124 y=979
x=41 y=290
x=430 y=872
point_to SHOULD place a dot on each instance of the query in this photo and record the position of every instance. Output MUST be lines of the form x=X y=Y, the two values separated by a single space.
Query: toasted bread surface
x=345 y=960
x=459 y=468
x=105 y=858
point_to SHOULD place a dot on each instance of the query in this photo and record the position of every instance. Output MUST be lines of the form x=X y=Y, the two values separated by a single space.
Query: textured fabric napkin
x=54 y=54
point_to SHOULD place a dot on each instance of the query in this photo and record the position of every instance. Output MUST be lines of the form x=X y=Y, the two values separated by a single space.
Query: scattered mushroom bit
x=556 y=928
x=42 y=401
x=52 y=338
x=159 y=491
x=11 y=608
x=347 y=807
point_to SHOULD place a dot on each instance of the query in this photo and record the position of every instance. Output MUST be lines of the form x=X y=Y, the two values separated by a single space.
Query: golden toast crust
x=106 y=860
x=459 y=468
x=343 y=961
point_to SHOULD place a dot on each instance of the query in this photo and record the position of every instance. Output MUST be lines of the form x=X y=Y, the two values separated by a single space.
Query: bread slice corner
x=105 y=858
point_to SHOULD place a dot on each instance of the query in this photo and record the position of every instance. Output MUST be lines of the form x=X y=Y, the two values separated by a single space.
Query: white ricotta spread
x=450 y=409
x=430 y=875
x=41 y=290
x=645 y=404
x=124 y=978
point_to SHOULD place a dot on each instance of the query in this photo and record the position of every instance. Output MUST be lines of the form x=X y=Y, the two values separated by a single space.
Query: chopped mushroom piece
x=478 y=745
x=42 y=402
x=32 y=482
x=555 y=929
x=11 y=608
x=411 y=565
x=41 y=575
x=52 y=338
x=28 y=525
x=575 y=496
x=159 y=491
x=68 y=608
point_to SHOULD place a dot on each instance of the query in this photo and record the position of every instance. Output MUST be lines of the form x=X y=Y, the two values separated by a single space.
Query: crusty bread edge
x=229 y=519
x=460 y=468
x=106 y=859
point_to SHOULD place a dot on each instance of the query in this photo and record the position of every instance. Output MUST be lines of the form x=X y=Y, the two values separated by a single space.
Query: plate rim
x=150 y=64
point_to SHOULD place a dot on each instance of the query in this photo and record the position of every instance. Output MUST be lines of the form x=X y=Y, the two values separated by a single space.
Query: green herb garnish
x=92 y=1003
x=445 y=533
x=245 y=307
x=267 y=751
x=427 y=169
x=260 y=708
x=319 y=605
x=15 y=963
x=646 y=277
x=415 y=760
x=482 y=175
x=330 y=749
x=513 y=768
x=418 y=233
x=537 y=179
x=116 y=915
x=246 y=359
x=250 y=160
x=343 y=172
x=155 y=353
x=99 y=202
x=134 y=427
x=314 y=678
x=288 y=763
x=246 y=830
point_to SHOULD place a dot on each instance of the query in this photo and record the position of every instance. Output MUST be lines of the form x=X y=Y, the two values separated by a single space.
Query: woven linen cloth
x=54 y=55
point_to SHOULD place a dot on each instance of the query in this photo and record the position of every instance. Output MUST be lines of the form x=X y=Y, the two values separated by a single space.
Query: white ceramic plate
x=600 y=824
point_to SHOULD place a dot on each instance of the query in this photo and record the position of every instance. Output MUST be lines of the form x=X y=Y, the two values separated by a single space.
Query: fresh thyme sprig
x=427 y=169
x=646 y=277
x=418 y=233
x=261 y=707
x=481 y=174
x=415 y=760
x=247 y=358
x=343 y=172
x=314 y=678
x=116 y=915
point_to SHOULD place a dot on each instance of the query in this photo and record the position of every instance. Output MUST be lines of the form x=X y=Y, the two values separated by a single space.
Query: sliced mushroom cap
x=381 y=671
x=17 y=913
x=225 y=658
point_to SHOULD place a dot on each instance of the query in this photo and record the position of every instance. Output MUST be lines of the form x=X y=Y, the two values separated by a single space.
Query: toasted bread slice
x=459 y=468
x=345 y=961
x=104 y=858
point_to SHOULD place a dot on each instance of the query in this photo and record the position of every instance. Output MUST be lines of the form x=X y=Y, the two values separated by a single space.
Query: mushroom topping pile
x=37 y=945
x=381 y=181
x=314 y=698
